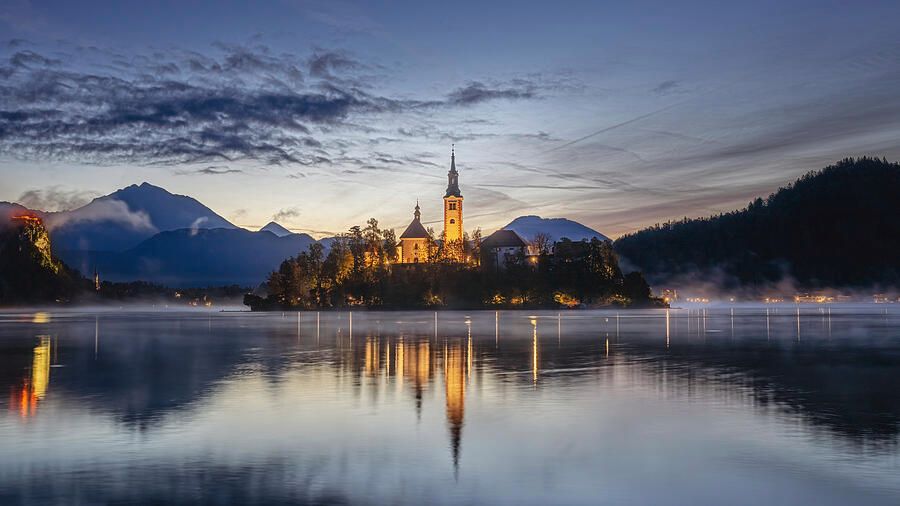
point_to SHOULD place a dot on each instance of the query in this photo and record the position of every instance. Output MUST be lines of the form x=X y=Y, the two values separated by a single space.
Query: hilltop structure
x=415 y=239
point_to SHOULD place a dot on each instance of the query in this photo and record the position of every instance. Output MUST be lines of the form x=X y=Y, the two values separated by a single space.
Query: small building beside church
x=414 y=241
x=501 y=248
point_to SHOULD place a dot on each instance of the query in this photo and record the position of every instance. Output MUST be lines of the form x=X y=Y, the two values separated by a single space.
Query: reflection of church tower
x=453 y=202
x=455 y=382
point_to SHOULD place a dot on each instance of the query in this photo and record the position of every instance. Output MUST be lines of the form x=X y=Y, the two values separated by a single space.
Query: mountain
x=124 y=218
x=276 y=229
x=197 y=257
x=555 y=228
x=837 y=227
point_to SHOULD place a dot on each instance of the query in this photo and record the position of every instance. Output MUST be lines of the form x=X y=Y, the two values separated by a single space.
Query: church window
x=452 y=221
x=452 y=206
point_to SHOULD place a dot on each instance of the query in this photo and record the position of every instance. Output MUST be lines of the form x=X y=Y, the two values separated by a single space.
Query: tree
x=541 y=243
x=635 y=287
x=390 y=245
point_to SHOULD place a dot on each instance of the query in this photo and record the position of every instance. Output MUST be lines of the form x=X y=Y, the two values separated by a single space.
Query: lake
x=765 y=404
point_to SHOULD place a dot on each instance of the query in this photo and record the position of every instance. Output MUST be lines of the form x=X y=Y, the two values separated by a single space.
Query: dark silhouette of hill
x=197 y=257
x=837 y=227
x=29 y=272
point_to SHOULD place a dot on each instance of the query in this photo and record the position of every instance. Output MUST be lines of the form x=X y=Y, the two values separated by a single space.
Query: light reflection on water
x=725 y=405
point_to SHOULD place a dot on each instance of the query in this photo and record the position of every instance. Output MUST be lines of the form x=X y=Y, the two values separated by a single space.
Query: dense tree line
x=361 y=269
x=837 y=227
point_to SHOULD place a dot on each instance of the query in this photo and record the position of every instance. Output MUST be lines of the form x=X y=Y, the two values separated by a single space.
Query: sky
x=321 y=114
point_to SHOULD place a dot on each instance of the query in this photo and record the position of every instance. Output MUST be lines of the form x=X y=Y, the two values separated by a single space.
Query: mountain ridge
x=196 y=258
x=275 y=228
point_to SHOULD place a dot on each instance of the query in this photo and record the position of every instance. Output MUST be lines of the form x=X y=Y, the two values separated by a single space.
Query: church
x=414 y=240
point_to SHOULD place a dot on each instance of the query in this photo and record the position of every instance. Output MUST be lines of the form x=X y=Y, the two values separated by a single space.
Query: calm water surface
x=743 y=405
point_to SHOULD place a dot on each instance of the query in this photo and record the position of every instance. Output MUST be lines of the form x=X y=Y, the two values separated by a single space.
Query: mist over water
x=743 y=404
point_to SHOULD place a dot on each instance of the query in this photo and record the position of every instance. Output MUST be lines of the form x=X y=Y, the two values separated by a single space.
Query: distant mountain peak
x=130 y=215
x=557 y=228
x=276 y=229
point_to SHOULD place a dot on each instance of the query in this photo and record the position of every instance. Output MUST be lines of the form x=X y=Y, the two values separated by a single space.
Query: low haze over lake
x=763 y=404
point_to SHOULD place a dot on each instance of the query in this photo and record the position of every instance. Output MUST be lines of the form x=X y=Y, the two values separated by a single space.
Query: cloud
x=241 y=104
x=238 y=214
x=324 y=63
x=212 y=170
x=55 y=198
x=195 y=225
x=110 y=210
x=477 y=92
x=287 y=213
x=181 y=107
x=30 y=58
x=666 y=87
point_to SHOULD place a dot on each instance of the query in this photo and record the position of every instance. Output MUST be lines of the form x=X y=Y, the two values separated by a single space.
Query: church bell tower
x=453 y=203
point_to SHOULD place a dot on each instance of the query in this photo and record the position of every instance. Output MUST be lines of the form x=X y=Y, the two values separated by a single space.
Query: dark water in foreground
x=758 y=406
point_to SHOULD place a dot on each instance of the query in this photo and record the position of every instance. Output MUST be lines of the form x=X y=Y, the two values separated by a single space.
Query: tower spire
x=417 y=214
x=453 y=158
x=453 y=175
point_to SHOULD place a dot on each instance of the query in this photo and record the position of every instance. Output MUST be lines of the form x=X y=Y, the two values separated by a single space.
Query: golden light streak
x=534 y=351
x=667 y=328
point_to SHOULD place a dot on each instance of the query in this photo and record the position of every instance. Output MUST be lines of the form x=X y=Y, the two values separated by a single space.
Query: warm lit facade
x=414 y=241
x=453 y=210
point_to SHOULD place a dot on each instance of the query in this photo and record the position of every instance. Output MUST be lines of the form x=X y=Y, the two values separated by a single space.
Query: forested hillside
x=837 y=227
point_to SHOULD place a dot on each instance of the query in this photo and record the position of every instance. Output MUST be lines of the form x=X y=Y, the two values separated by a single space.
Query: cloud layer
x=236 y=103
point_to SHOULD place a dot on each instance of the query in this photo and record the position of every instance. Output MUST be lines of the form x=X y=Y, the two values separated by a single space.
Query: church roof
x=415 y=230
x=503 y=239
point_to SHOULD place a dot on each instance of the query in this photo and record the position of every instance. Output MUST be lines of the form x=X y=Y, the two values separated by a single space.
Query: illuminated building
x=414 y=241
x=453 y=213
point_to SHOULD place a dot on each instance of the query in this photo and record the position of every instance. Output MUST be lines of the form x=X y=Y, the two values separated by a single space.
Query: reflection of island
x=34 y=387
x=160 y=366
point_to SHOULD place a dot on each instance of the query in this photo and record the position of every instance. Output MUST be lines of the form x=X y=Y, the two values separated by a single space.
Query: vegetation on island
x=837 y=227
x=361 y=269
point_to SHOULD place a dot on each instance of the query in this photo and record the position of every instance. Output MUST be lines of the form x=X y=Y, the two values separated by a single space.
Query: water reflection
x=34 y=386
x=455 y=374
x=184 y=397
